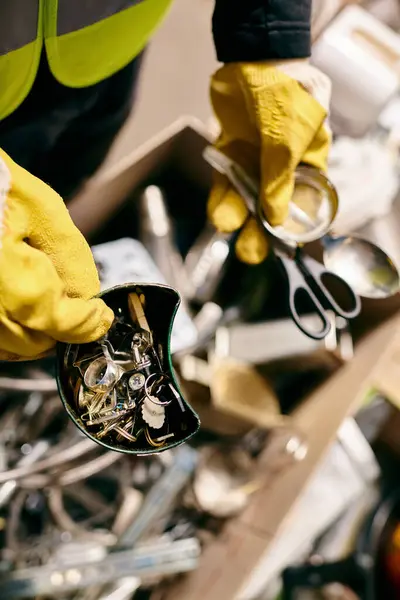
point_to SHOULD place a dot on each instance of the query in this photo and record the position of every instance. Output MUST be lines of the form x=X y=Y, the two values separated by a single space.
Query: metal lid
x=312 y=208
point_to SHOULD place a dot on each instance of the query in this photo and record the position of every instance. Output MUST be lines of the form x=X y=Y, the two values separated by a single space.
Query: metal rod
x=11 y=384
x=63 y=456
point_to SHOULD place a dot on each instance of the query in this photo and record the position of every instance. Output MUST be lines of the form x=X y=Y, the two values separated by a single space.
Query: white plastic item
x=127 y=261
x=365 y=174
x=362 y=58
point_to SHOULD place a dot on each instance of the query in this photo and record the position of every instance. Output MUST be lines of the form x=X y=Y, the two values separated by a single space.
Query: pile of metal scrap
x=81 y=523
x=75 y=518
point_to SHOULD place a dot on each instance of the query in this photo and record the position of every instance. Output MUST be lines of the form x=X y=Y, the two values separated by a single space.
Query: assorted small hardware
x=120 y=390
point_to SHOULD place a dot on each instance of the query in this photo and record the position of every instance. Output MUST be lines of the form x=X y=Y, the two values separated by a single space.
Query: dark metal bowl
x=162 y=303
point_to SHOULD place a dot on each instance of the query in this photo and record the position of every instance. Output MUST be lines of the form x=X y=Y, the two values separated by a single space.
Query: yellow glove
x=269 y=124
x=47 y=272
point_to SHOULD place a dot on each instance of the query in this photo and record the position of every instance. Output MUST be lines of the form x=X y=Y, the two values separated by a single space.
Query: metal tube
x=11 y=384
x=162 y=495
x=159 y=559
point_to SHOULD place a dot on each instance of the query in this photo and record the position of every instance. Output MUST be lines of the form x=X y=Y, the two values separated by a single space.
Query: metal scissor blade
x=246 y=186
x=243 y=184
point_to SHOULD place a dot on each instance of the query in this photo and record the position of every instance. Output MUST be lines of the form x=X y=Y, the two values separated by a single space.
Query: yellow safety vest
x=85 y=41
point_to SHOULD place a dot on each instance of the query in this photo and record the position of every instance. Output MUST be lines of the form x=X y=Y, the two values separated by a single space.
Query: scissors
x=304 y=274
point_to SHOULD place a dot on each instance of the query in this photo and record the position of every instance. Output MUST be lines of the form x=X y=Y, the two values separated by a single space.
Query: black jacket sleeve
x=251 y=30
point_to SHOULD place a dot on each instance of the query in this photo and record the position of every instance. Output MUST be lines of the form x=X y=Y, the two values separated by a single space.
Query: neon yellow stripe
x=86 y=56
x=75 y=14
x=18 y=71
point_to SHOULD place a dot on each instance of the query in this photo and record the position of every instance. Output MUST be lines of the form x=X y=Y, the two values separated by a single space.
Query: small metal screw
x=136 y=381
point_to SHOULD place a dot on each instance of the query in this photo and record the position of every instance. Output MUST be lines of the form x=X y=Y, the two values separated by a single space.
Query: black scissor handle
x=297 y=284
x=316 y=271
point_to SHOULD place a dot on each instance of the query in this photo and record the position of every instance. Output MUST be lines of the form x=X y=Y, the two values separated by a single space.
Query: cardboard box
x=178 y=149
x=226 y=565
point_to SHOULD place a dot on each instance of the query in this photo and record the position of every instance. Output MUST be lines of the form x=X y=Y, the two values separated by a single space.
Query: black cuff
x=251 y=30
x=261 y=43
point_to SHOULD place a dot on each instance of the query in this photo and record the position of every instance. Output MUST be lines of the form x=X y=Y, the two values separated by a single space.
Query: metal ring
x=148 y=395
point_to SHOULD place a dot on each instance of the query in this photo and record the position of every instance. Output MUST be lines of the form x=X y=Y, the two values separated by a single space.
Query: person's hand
x=272 y=118
x=47 y=272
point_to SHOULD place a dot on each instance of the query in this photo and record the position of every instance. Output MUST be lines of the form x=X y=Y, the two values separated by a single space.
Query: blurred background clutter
x=291 y=488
